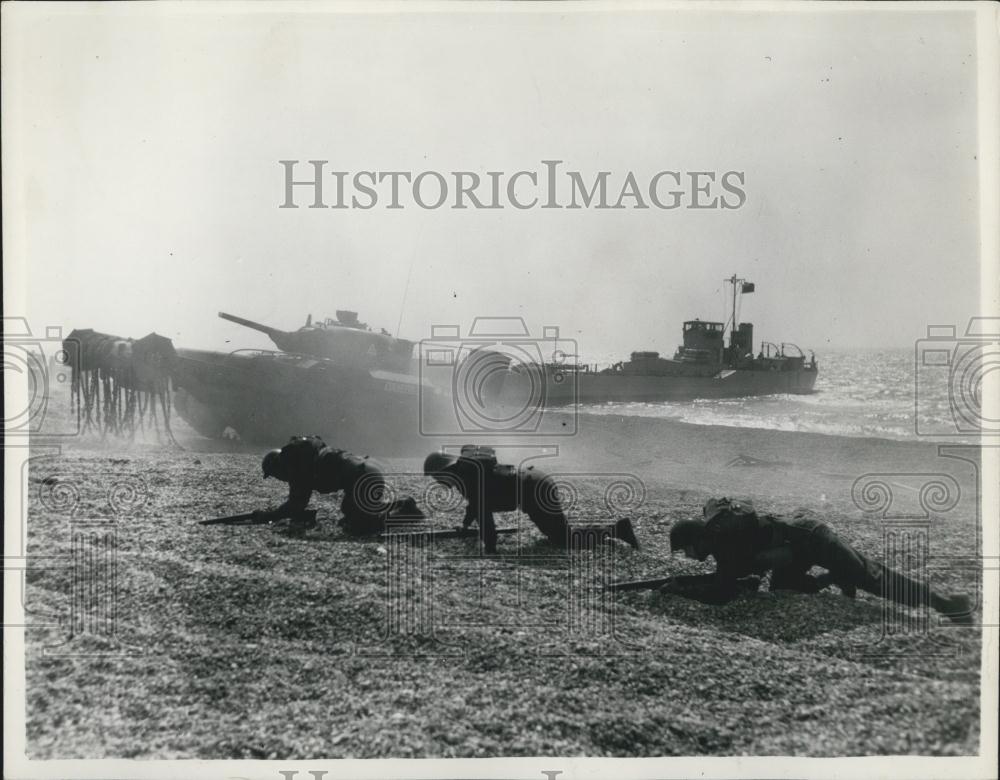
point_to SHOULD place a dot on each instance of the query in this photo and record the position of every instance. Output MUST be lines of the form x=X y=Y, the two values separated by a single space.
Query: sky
x=142 y=183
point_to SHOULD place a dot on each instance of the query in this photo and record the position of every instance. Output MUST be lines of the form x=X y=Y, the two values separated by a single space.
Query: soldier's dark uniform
x=744 y=543
x=491 y=487
x=307 y=464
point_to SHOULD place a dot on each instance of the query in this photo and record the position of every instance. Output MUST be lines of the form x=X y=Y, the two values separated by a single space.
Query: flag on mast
x=748 y=287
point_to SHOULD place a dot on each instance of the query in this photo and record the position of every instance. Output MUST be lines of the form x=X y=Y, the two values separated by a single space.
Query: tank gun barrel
x=272 y=332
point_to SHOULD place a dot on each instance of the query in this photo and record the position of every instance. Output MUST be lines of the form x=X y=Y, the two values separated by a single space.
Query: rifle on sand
x=458 y=533
x=252 y=518
x=701 y=587
x=247 y=518
x=639 y=584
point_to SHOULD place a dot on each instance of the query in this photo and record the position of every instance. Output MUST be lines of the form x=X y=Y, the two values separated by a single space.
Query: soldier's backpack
x=485 y=456
x=727 y=518
x=730 y=514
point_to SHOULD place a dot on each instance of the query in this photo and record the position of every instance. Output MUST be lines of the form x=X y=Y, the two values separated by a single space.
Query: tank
x=344 y=340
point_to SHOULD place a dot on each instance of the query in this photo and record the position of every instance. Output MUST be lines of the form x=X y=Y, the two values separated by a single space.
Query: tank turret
x=344 y=340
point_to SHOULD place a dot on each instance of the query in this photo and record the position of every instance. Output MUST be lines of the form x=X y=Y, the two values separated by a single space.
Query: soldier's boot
x=625 y=532
x=749 y=584
x=796 y=581
x=824 y=580
x=489 y=537
x=846 y=588
x=957 y=608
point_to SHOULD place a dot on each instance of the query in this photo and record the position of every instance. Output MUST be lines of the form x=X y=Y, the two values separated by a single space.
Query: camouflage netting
x=118 y=383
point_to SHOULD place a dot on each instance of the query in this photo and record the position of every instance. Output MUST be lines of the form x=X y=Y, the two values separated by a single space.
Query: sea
x=866 y=393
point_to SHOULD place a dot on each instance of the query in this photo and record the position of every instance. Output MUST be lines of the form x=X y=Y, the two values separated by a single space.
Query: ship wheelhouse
x=703 y=342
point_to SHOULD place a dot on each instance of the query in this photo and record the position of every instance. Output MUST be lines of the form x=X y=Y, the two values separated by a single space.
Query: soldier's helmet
x=271 y=465
x=685 y=533
x=437 y=462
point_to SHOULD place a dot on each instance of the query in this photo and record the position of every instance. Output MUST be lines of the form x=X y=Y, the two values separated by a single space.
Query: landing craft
x=338 y=379
x=702 y=367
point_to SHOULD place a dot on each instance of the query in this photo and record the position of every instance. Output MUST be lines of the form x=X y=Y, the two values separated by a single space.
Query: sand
x=249 y=643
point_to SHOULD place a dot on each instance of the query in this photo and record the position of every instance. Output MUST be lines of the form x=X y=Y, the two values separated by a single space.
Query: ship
x=703 y=366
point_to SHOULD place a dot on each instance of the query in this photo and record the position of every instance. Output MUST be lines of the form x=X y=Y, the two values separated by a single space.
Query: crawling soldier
x=491 y=487
x=745 y=544
x=307 y=464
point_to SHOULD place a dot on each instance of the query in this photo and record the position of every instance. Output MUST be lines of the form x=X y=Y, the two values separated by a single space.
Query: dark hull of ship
x=266 y=398
x=564 y=388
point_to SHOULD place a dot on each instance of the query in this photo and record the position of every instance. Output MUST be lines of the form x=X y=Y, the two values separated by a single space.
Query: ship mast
x=733 y=280
x=744 y=286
